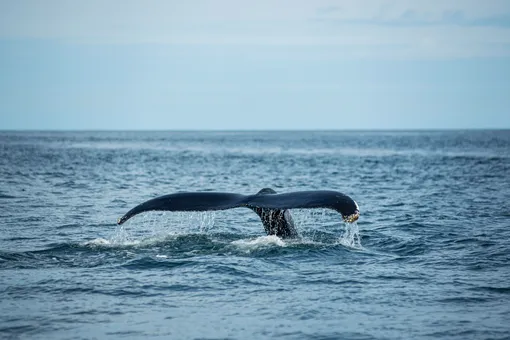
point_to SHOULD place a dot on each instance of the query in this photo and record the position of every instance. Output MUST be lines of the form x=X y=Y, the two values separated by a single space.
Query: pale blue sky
x=371 y=64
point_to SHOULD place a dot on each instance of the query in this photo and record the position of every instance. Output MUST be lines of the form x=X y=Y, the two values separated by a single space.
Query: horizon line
x=261 y=130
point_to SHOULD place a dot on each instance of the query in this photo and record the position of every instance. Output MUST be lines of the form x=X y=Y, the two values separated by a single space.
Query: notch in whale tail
x=277 y=222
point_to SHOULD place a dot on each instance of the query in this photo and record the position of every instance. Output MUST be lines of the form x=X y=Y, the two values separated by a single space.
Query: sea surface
x=429 y=257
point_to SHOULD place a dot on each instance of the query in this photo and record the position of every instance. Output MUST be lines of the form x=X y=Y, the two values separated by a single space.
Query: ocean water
x=429 y=257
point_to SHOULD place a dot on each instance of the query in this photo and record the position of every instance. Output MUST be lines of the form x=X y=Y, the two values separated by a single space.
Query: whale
x=270 y=206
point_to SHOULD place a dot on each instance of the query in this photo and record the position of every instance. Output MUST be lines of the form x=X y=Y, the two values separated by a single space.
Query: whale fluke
x=271 y=207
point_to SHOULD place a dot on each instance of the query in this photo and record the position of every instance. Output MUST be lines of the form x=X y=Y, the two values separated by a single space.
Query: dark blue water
x=428 y=258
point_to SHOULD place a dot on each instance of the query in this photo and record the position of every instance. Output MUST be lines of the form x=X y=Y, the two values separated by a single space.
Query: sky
x=252 y=65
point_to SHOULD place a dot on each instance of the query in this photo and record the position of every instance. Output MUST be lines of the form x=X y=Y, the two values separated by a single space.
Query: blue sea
x=429 y=257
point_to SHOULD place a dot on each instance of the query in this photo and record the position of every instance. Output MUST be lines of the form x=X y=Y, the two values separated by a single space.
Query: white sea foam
x=259 y=243
x=101 y=242
x=97 y=242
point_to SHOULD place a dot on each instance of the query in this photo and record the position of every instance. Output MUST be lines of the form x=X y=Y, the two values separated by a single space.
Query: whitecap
x=101 y=242
x=97 y=242
x=259 y=243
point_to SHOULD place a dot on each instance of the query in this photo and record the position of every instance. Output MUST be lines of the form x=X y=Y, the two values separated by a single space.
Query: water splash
x=351 y=237
x=315 y=227
x=154 y=229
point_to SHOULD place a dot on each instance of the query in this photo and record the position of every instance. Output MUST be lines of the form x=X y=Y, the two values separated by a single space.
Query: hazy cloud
x=422 y=28
x=413 y=18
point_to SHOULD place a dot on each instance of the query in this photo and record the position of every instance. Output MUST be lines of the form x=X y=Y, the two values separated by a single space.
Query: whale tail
x=272 y=208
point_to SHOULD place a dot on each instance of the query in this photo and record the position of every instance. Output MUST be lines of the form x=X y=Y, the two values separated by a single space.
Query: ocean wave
x=157 y=250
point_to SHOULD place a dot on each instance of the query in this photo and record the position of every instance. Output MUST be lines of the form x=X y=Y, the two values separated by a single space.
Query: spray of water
x=157 y=227
x=154 y=228
x=351 y=237
x=315 y=228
